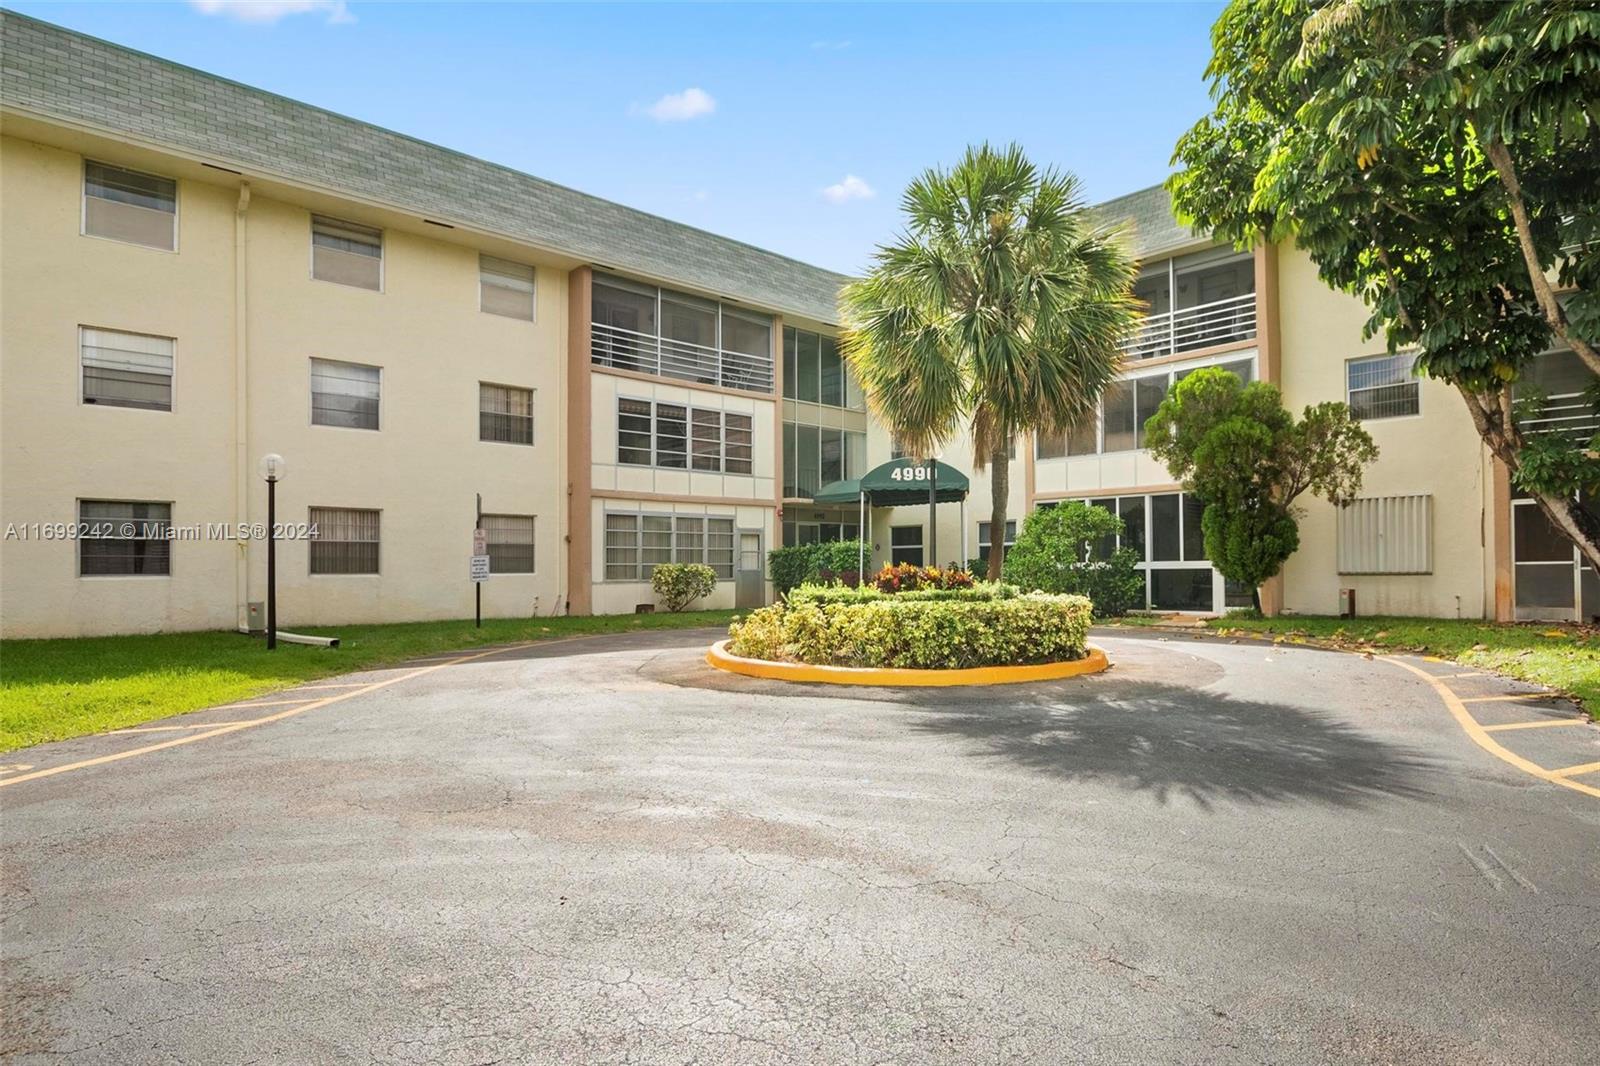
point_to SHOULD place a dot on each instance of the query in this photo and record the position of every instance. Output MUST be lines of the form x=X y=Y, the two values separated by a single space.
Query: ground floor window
x=344 y=540
x=124 y=537
x=1163 y=530
x=510 y=539
x=984 y=540
x=637 y=543
x=818 y=532
x=905 y=545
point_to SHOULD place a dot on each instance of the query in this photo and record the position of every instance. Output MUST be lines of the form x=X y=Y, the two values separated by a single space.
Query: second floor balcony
x=1189 y=329
x=645 y=353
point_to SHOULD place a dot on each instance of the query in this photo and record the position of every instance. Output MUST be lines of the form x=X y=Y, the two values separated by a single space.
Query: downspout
x=241 y=407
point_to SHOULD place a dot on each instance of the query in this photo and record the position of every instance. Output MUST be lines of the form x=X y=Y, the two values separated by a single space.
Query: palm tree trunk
x=1000 y=493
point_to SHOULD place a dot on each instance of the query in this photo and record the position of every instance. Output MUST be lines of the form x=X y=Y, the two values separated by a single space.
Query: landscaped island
x=916 y=618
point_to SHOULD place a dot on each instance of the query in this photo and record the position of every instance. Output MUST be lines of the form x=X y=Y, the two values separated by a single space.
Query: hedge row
x=916 y=633
x=978 y=592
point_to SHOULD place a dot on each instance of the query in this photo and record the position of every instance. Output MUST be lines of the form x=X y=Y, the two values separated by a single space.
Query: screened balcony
x=1195 y=301
x=1558 y=394
x=673 y=335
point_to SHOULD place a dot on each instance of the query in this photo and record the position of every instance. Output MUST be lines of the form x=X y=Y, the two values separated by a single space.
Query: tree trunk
x=1491 y=414
x=1000 y=492
x=1500 y=156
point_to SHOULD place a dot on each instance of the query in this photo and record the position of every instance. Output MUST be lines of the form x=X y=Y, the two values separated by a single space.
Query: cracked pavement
x=605 y=851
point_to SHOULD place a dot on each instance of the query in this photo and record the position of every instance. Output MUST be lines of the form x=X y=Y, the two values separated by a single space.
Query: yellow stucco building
x=195 y=273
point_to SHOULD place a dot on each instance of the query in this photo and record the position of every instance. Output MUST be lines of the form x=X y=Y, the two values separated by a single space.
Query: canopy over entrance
x=898 y=483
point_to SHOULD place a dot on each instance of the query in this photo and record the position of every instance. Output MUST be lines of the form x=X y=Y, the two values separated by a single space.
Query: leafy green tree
x=1440 y=160
x=1059 y=549
x=1239 y=450
x=1001 y=304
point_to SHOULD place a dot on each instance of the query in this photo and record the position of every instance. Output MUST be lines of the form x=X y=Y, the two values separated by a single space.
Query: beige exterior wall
x=1436 y=452
x=55 y=450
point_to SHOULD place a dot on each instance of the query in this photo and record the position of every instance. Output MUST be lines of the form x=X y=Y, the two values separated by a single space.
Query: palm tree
x=1002 y=303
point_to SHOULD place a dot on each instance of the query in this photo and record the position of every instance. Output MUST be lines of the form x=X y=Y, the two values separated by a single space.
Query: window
x=1048 y=446
x=712 y=440
x=1386 y=535
x=346 y=252
x=344 y=541
x=905 y=545
x=510 y=538
x=120 y=538
x=675 y=335
x=126 y=369
x=814 y=370
x=1382 y=386
x=128 y=206
x=505 y=414
x=984 y=541
x=814 y=456
x=344 y=394
x=737 y=443
x=505 y=288
x=1117 y=405
x=636 y=544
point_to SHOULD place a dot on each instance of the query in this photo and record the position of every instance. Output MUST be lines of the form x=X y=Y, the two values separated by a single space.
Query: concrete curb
x=718 y=656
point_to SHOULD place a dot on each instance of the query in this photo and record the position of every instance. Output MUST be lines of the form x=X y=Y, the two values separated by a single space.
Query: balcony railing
x=1189 y=329
x=625 y=349
x=1571 y=414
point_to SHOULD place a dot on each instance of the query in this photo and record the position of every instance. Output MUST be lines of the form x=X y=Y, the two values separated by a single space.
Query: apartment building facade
x=196 y=273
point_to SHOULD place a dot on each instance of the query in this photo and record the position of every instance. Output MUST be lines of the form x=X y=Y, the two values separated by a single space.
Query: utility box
x=256 y=616
x=1347 y=603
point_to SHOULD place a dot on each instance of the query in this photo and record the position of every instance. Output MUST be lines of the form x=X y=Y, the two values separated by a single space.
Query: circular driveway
x=605 y=851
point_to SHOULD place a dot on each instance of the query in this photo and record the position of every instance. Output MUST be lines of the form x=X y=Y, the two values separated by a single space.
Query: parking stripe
x=1573 y=771
x=1512 y=697
x=234 y=727
x=1481 y=737
x=1532 y=725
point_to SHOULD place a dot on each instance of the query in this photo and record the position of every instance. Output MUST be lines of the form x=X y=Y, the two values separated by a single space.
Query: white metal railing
x=1188 y=329
x=1568 y=413
x=626 y=349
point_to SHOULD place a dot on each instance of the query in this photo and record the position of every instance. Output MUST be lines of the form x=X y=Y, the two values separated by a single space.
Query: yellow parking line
x=166 y=728
x=347 y=684
x=234 y=727
x=259 y=703
x=1533 y=725
x=1573 y=771
x=1481 y=738
x=1513 y=696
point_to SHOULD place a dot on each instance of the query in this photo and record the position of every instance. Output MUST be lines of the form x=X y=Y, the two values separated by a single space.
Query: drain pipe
x=241 y=406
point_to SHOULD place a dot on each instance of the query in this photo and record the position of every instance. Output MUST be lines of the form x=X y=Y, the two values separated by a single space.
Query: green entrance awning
x=898 y=483
x=847 y=491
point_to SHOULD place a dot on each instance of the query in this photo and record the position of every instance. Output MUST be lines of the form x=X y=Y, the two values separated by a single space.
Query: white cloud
x=851 y=188
x=679 y=107
x=270 y=11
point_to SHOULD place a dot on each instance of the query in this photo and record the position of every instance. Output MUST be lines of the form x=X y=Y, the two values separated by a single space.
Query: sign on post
x=480 y=542
x=480 y=568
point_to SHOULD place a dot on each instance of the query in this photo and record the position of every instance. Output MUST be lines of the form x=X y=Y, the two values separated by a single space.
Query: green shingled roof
x=56 y=74
x=1153 y=230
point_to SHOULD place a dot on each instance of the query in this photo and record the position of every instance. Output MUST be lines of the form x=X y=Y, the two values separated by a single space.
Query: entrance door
x=750 y=582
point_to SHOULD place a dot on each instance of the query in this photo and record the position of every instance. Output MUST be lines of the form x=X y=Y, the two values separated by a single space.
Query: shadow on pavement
x=1169 y=740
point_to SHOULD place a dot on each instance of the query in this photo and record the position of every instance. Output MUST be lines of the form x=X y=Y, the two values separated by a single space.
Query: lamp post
x=933 y=509
x=273 y=469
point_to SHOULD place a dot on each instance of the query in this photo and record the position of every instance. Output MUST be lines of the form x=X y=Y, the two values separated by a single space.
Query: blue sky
x=747 y=120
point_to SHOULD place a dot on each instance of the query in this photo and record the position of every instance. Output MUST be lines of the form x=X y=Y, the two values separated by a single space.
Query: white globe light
x=273 y=467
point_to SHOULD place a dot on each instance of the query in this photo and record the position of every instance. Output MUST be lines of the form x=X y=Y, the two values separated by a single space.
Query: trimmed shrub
x=801 y=564
x=981 y=591
x=680 y=584
x=916 y=633
x=1056 y=552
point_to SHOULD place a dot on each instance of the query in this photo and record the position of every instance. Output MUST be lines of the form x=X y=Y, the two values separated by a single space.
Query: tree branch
x=1500 y=156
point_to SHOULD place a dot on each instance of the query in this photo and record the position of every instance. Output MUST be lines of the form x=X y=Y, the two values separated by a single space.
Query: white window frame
x=673 y=549
x=311 y=252
x=311 y=542
x=533 y=296
x=533 y=418
x=689 y=410
x=921 y=545
x=1414 y=381
x=77 y=555
x=83 y=206
x=171 y=407
x=311 y=400
x=1013 y=526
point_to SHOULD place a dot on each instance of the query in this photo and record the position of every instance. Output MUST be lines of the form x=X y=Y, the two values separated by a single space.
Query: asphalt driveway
x=604 y=851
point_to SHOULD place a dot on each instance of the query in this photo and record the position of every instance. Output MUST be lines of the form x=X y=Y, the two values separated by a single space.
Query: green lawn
x=54 y=689
x=1564 y=657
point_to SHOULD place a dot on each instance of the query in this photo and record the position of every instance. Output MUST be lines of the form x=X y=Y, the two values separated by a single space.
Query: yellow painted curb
x=719 y=657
